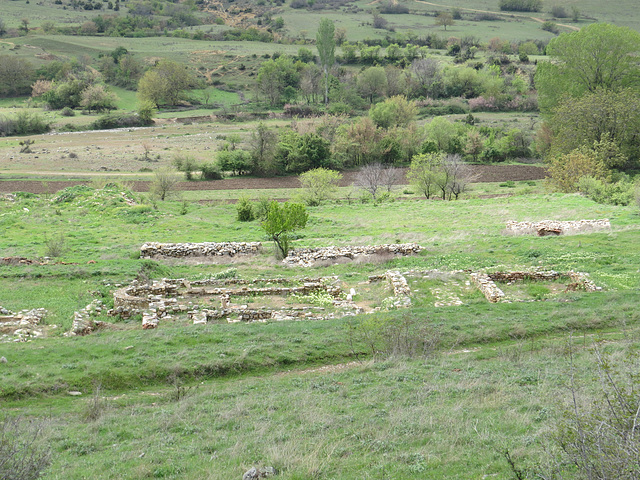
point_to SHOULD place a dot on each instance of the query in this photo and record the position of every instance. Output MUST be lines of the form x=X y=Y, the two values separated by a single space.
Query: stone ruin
x=486 y=282
x=21 y=326
x=556 y=227
x=306 y=257
x=401 y=291
x=161 y=299
x=206 y=249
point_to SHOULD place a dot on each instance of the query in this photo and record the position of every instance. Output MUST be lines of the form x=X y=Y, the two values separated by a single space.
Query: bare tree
x=459 y=175
x=426 y=72
x=390 y=177
x=371 y=178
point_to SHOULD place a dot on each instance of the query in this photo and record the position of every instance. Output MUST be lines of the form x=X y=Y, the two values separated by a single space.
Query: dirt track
x=485 y=173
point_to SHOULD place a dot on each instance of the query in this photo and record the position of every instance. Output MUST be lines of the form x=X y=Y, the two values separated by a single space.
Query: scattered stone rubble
x=21 y=326
x=306 y=257
x=83 y=322
x=206 y=249
x=555 y=227
x=486 y=282
x=401 y=291
x=160 y=299
x=9 y=197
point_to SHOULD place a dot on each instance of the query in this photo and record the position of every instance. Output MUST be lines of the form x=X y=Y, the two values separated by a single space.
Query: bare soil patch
x=485 y=173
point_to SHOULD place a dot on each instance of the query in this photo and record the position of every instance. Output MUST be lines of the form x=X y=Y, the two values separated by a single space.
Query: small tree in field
x=425 y=172
x=164 y=183
x=281 y=222
x=445 y=19
x=319 y=185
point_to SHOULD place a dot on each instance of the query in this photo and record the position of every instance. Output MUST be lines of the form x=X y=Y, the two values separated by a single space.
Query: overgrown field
x=210 y=401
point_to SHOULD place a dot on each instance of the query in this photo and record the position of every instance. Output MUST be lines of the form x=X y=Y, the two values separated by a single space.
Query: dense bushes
x=107 y=122
x=521 y=5
x=22 y=123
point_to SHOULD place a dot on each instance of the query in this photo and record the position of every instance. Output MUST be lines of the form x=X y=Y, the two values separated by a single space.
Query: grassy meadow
x=211 y=401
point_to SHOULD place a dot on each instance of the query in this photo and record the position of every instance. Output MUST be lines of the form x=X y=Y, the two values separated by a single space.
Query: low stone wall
x=556 y=227
x=21 y=326
x=401 y=291
x=487 y=286
x=206 y=249
x=536 y=276
x=306 y=257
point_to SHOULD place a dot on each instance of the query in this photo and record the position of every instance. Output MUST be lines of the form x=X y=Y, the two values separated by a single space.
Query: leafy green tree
x=326 y=45
x=16 y=75
x=319 y=185
x=166 y=83
x=281 y=222
x=599 y=56
x=601 y=115
x=264 y=142
x=443 y=134
x=372 y=83
x=393 y=112
x=444 y=19
x=237 y=161
x=275 y=77
x=425 y=172
x=299 y=153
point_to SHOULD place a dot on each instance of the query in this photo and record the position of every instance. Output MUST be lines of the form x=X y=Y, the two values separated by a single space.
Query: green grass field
x=229 y=396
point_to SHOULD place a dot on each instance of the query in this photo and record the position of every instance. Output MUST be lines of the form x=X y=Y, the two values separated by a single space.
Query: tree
x=326 y=45
x=393 y=112
x=3 y=27
x=98 y=98
x=596 y=162
x=275 y=76
x=424 y=172
x=604 y=114
x=319 y=185
x=442 y=133
x=598 y=438
x=281 y=222
x=263 y=150
x=372 y=178
x=459 y=175
x=23 y=452
x=164 y=183
x=24 y=26
x=427 y=76
x=372 y=83
x=237 y=161
x=444 y=19
x=16 y=75
x=299 y=153
x=599 y=56
x=166 y=83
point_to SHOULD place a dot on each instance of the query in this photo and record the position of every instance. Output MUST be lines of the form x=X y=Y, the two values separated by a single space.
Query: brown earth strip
x=484 y=173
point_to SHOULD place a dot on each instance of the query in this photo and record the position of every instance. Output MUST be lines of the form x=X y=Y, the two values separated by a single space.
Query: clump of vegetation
x=244 y=209
x=23 y=453
x=281 y=222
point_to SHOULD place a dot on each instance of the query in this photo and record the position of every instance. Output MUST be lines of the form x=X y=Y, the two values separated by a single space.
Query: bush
x=23 y=123
x=550 y=27
x=244 y=210
x=22 y=453
x=621 y=192
x=67 y=112
x=107 y=122
x=559 y=12
x=185 y=164
x=521 y=5
x=210 y=171
x=55 y=246
x=319 y=185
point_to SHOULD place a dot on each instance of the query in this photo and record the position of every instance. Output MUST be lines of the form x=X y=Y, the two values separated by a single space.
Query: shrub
x=244 y=210
x=185 y=164
x=23 y=123
x=610 y=193
x=107 y=122
x=558 y=11
x=550 y=27
x=55 y=246
x=521 y=5
x=319 y=185
x=210 y=171
x=67 y=112
x=22 y=453
x=389 y=336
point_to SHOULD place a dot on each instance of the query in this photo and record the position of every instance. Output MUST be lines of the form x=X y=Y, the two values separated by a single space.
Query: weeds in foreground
x=23 y=454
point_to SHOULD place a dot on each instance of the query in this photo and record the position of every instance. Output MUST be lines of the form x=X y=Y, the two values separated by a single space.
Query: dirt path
x=484 y=173
x=540 y=20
